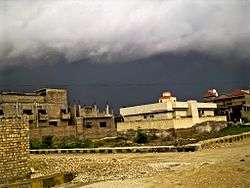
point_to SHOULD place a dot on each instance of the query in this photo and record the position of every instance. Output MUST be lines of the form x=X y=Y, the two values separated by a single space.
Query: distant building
x=235 y=104
x=168 y=108
x=94 y=123
x=44 y=107
x=49 y=114
x=171 y=113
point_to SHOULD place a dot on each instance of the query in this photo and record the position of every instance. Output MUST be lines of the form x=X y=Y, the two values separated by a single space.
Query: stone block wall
x=14 y=150
x=78 y=130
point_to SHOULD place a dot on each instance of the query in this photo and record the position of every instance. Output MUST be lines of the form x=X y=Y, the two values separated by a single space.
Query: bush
x=65 y=143
x=47 y=141
x=75 y=143
x=141 y=137
x=36 y=144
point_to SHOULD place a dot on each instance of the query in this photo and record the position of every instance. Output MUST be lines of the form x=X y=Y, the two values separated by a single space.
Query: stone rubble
x=91 y=169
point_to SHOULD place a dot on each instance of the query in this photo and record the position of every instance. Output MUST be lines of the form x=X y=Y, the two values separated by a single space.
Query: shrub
x=47 y=141
x=75 y=143
x=64 y=143
x=35 y=144
x=141 y=137
x=85 y=143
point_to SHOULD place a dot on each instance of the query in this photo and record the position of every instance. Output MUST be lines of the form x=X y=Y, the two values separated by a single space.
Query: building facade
x=49 y=114
x=92 y=122
x=168 y=108
x=168 y=113
x=45 y=107
x=235 y=104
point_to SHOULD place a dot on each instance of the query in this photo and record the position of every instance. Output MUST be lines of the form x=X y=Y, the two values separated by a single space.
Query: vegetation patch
x=49 y=142
x=140 y=137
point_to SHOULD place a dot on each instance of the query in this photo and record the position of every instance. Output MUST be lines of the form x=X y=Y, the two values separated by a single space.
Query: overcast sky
x=117 y=32
x=123 y=30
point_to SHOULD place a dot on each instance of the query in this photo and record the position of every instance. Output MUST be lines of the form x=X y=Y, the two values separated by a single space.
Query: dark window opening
x=31 y=121
x=201 y=113
x=27 y=112
x=88 y=109
x=1 y=113
x=145 y=116
x=42 y=111
x=53 y=123
x=152 y=116
x=103 y=124
x=64 y=111
x=88 y=124
x=42 y=121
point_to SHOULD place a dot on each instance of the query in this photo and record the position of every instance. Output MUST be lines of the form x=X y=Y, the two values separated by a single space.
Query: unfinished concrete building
x=44 y=107
x=49 y=114
x=92 y=122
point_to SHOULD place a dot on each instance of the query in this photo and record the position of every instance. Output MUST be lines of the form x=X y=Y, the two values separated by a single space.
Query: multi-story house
x=235 y=104
x=44 y=107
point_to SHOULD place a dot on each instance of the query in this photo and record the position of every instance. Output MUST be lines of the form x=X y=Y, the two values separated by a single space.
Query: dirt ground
x=226 y=165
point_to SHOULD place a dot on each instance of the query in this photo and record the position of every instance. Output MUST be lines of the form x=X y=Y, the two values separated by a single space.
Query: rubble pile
x=91 y=169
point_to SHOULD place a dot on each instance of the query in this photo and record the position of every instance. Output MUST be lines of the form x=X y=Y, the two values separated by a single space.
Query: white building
x=168 y=113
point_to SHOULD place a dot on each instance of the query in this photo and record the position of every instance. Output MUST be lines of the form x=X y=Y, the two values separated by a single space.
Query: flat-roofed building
x=168 y=108
x=93 y=122
x=235 y=104
x=169 y=111
x=44 y=107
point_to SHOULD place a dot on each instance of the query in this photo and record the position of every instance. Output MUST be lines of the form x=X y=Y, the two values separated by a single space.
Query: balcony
x=31 y=117
x=65 y=116
x=43 y=117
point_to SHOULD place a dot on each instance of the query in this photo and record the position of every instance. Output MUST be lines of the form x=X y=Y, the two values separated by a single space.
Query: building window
x=53 y=123
x=145 y=116
x=31 y=121
x=151 y=116
x=27 y=112
x=42 y=111
x=88 y=124
x=1 y=112
x=64 y=111
x=103 y=124
x=201 y=113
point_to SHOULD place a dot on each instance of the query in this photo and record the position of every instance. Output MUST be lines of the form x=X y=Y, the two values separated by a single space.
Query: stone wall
x=78 y=130
x=14 y=150
x=182 y=123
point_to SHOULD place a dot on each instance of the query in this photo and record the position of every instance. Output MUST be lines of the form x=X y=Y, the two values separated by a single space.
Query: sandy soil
x=224 y=166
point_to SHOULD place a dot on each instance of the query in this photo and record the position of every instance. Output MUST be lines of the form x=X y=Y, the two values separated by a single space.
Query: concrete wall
x=153 y=116
x=96 y=131
x=14 y=150
x=12 y=98
x=61 y=131
x=166 y=124
x=77 y=130
x=245 y=115
x=52 y=101
x=168 y=110
x=148 y=108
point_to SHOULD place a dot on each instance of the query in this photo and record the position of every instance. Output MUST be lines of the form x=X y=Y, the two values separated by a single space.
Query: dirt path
x=225 y=166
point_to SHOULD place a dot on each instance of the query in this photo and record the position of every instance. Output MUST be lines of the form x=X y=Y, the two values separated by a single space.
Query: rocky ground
x=226 y=165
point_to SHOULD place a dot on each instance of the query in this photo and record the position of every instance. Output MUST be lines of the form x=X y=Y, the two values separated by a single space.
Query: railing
x=43 y=117
x=65 y=116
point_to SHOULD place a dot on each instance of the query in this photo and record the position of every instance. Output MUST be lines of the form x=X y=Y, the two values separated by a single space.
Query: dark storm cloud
x=119 y=30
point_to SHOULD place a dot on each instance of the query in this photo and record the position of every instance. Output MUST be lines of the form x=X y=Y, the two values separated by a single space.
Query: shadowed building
x=45 y=107
x=92 y=122
x=235 y=105
x=49 y=114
